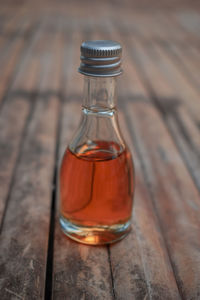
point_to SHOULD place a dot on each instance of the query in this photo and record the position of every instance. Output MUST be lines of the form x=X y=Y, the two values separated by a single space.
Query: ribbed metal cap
x=101 y=58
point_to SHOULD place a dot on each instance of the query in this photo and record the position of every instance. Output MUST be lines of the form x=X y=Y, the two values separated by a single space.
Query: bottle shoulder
x=98 y=150
x=98 y=130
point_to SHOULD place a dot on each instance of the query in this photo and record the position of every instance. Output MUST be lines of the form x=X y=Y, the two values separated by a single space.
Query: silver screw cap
x=101 y=58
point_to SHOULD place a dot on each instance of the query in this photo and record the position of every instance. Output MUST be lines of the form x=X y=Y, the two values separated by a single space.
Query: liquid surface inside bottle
x=96 y=189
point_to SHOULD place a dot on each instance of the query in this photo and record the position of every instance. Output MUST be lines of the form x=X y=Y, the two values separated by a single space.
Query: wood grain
x=137 y=256
x=24 y=237
x=27 y=220
x=147 y=239
x=179 y=121
x=175 y=197
x=153 y=167
x=79 y=271
x=16 y=110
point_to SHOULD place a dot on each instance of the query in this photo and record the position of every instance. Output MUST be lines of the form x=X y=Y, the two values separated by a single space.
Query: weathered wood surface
x=159 y=102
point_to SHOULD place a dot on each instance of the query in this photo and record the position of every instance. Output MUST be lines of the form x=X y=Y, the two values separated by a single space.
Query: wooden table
x=159 y=103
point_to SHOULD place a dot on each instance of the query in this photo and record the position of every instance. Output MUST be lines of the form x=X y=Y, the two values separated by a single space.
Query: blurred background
x=40 y=40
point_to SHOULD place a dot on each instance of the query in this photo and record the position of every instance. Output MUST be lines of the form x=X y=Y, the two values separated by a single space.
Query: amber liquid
x=96 y=188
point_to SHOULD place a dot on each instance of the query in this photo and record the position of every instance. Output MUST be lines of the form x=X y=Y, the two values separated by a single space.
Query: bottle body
x=97 y=174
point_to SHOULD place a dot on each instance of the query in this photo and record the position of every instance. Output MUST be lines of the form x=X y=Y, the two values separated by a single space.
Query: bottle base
x=98 y=235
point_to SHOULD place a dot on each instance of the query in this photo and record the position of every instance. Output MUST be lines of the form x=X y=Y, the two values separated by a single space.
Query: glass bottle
x=97 y=174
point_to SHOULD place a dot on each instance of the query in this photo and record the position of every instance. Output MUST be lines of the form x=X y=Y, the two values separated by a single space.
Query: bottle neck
x=99 y=121
x=99 y=93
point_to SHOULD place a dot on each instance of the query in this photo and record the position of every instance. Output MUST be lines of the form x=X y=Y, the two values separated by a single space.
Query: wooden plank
x=187 y=63
x=8 y=43
x=7 y=70
x=168 y=23
x=171 y=28
x=14 y=57
x=151 y=27
x=179 y=51
x=187 y=139
x=186 y=276
x=141 y=257
x=2 y=44
x=79 y=271
x=173 y=76
x=195 y=55
x=188 y=284
x=25 y=232
x=175 y=197
x=190 y=21
x=167 y=100
x=31 y=58
x=24 y=238
x=193 y=38
x=15 y=21
x=16 y=110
